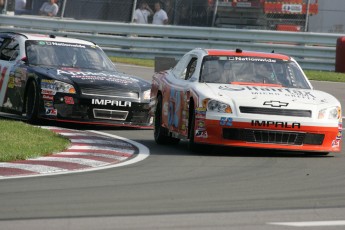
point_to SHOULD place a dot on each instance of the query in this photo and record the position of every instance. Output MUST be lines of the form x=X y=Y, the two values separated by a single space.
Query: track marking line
x=311 y=223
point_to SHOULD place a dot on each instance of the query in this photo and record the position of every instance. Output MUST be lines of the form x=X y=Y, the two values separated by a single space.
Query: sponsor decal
x=48 y=92
x=293 y=93
x=335 y=143
x=276 y=103
x=253 y=59
x=48 y=97
x=69 y=100
x=48 y=104
x=276 y=124
x=11 y=82
x=51 y=111
x=200 y=124
x=340 y=131
x=48 y=84
x=225 y=121
x=200 y=113
x=292 y=8
x=111 y=102
x=62 y=44
x=201 y=133
x=99 y=76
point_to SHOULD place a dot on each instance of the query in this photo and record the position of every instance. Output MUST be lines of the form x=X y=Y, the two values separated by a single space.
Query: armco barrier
x=312 y=50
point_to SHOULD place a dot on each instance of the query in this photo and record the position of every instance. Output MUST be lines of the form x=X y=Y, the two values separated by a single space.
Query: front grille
x=281 y=112
x=264 y=136
x=110 y=114
x=108 y=92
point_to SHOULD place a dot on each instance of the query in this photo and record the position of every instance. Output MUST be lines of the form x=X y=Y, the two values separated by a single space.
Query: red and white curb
x=89 y=151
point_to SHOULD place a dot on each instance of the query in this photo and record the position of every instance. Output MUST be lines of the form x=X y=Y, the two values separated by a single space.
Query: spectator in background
x=160 y=17
x=142 y=13
x=2 y=6
x=49 y=8
x=20 y=7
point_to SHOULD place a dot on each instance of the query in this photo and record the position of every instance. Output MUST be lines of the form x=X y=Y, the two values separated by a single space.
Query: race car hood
x=270 y=97
x=84 y=77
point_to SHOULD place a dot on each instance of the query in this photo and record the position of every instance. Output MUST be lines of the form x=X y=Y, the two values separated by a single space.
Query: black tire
x=32 y=102
x=192 y=146
x=160 y=133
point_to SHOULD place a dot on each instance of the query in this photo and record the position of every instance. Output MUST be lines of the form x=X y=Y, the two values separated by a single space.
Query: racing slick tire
x=31 y=102
x=160 y=133
x=192 y=146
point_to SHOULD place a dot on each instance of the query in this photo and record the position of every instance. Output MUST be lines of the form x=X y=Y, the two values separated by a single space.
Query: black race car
x=70 y=80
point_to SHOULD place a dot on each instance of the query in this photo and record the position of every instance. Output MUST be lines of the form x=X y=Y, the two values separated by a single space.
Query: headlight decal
x=332 y=113
x=217 y=106
x=63 y=87
x=51 y=87
x=146 y=94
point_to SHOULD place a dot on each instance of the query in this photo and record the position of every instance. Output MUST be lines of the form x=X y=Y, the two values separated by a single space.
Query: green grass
x=134 y=61
x=325 y=76
x=19 y=141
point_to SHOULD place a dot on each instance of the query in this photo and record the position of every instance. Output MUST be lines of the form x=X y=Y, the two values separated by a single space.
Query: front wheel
x=192 y=146
x=31 y=102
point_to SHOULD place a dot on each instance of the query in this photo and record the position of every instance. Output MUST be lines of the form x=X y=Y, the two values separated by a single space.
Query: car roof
x=53 y=38
x=241 y=53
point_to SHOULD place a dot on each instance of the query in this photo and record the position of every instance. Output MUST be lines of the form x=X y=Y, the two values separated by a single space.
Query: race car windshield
x=252 y=70
x=61 y=54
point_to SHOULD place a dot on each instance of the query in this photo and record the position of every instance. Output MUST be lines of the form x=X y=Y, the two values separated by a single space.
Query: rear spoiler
x=164 y=63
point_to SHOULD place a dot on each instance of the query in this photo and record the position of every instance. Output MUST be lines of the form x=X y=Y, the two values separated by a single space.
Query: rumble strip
x=89 y=151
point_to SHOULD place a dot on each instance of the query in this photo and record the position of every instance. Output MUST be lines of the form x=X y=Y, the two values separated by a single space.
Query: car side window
x=191 y=68
x=9 y=50
x=179 y=67
x=184 y=67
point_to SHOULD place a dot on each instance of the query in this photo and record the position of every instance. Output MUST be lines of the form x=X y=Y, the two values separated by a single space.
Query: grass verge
x=21 y=141
x=325 y=76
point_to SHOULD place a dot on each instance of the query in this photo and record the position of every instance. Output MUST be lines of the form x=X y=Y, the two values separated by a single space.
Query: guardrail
x=312 y=50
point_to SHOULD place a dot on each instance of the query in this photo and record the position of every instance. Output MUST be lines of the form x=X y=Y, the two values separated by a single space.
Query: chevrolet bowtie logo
x=276 y=103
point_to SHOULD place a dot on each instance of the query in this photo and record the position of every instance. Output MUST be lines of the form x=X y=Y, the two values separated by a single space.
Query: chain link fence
x=287 y=15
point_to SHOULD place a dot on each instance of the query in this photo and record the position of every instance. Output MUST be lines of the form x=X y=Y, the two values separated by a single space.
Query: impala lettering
x=111 y=102
x=276 y=124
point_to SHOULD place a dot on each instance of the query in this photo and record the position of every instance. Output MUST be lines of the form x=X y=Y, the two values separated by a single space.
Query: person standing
x=142 y=13
x=20 y=7
x=49 y=8
x=160 y=17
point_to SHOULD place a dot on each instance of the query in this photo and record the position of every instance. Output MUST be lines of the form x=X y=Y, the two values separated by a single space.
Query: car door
x=178 y=96
x=11 y=75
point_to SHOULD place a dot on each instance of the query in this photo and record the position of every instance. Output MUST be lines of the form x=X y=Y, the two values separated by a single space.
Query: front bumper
x=247 y=134
x=67 y=108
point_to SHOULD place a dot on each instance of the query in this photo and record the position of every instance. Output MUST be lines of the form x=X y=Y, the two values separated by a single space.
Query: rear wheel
x=31 y=102
x=161 y=133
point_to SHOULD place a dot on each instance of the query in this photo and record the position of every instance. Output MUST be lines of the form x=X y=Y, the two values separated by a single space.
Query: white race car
x=243 y=99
